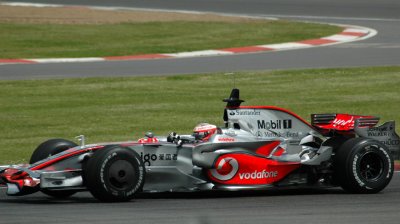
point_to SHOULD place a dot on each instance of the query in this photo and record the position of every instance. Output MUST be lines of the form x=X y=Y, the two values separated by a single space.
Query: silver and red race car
x=259 y=147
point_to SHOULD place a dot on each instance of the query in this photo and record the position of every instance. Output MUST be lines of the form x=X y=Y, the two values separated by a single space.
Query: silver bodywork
x=181 y=167
x=169 y=167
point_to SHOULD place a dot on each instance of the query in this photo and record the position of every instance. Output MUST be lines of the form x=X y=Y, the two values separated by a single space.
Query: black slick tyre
x=363 y=165
x=49 y=148
x=114 y=174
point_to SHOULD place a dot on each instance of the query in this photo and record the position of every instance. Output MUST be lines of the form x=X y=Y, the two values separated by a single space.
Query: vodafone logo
x=226 y=169
x=258 y=175
x=226 y=139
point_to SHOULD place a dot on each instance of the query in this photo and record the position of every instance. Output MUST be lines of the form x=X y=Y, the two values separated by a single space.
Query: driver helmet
x=204 y=131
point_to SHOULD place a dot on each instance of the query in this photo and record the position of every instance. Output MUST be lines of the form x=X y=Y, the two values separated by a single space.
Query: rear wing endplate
x=385 y=133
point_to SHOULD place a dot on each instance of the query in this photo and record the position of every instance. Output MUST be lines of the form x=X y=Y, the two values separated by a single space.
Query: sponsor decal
x=226 y=169
x=391 y=142
x=230 y=132
x=274 y=124
x=378 y=134
x=381 y=128
x=381 y=131
x=243 y=112
x=204 y=127
x=279 y=134
x=149 y=158
x=224 y=139
x=258 y=175
x=342 y=122
x=386 y=135
x=246 y=169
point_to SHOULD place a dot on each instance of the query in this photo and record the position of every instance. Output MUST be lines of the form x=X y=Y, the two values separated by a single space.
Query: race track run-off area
x=283 y=206
x=349 y=34
x=380 y=50
x=377 y=20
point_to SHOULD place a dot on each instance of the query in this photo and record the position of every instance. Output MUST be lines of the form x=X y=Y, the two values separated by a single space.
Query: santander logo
x=226 y=169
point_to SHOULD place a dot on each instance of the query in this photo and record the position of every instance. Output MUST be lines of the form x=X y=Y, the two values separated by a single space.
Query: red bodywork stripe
x=267 y=148
x=57 y=159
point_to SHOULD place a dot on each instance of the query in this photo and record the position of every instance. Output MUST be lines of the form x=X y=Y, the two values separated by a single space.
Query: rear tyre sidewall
x=114 y=174
x=363 y=166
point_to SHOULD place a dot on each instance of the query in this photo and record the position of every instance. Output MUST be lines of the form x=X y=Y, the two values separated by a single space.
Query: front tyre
x=114 y=174
x=49 y=148
x=363 y=166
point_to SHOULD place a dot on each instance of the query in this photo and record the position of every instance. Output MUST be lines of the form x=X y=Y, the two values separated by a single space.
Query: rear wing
x=341 y=122
x=363 y=126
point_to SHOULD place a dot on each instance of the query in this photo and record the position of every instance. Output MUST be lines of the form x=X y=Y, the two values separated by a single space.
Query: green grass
x=52 y=40
x=114 y=109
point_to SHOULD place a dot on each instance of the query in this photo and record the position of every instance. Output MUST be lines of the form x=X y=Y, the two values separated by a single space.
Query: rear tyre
x=114 y=174
x=363 y=166
x=49 y=148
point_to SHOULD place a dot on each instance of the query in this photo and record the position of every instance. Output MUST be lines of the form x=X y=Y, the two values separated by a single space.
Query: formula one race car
x=259 y=147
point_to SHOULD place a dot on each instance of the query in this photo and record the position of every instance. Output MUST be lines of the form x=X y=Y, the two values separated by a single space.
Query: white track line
x=349 y=34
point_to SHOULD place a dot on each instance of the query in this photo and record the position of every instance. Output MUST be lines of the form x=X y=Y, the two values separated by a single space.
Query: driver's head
x=204 y=131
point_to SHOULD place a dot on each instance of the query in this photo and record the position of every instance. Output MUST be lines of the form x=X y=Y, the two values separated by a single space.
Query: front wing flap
x=19 y=180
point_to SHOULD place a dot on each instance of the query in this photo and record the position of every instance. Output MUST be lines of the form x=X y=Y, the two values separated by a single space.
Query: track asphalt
x=277 y=206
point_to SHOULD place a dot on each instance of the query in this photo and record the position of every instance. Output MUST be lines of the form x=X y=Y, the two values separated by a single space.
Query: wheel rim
x=371 y=166
x=121 y=175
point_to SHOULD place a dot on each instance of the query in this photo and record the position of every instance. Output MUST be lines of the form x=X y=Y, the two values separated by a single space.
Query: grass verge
x=89 y=40
x=118 y=109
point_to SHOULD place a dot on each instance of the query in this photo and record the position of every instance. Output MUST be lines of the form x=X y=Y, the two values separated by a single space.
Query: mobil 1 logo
x=274 y=124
